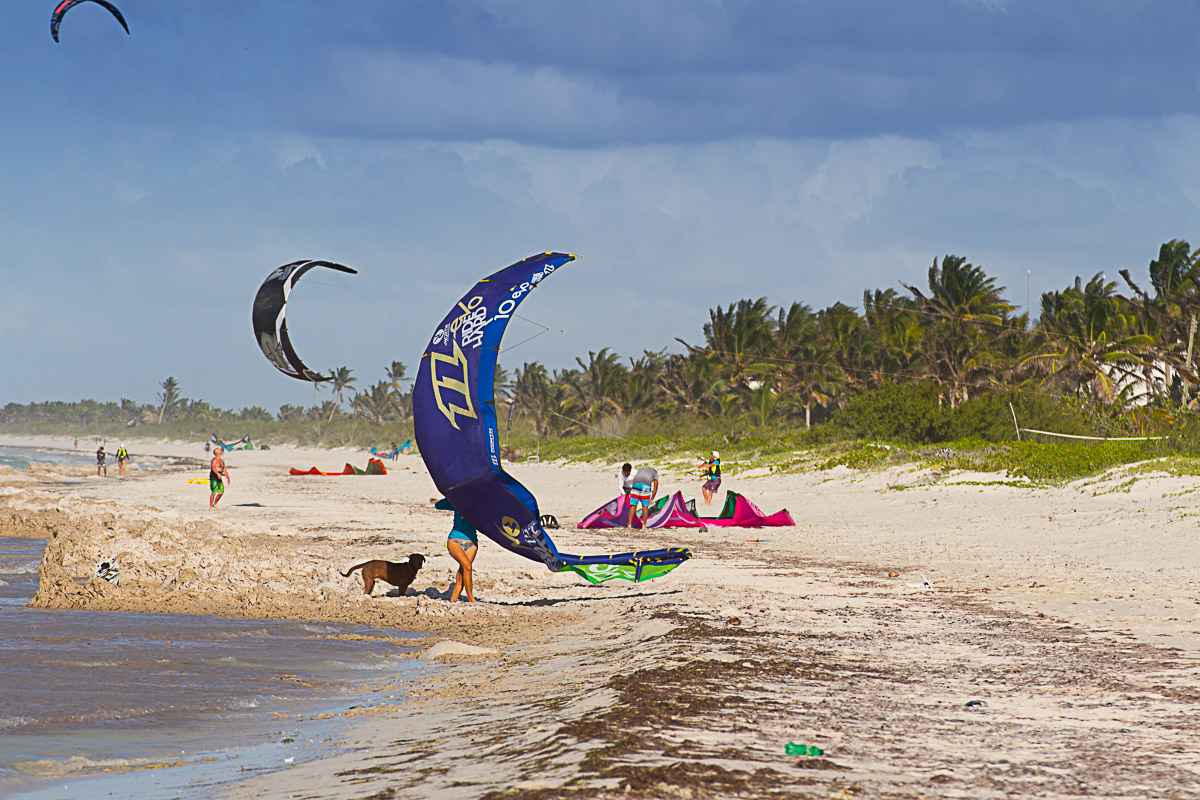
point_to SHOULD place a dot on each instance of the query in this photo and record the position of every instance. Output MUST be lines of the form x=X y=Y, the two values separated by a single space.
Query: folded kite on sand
x=671 y=512
x=741 y=513
x=374 y=467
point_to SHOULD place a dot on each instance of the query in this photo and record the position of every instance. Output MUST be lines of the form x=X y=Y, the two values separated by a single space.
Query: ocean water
x=99 y=704
x=21 y=457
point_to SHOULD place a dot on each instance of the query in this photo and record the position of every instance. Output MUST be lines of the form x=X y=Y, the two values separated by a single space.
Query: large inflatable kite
x=270 y=327
x=669 y=512
x=740 y=512
x=66 y=5
x=454 y=413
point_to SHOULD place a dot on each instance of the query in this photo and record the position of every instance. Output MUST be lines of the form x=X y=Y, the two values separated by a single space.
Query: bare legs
x=462 y=579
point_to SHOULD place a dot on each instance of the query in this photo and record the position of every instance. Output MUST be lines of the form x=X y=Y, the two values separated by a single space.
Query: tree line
x=1112 y=345
x=958 y=332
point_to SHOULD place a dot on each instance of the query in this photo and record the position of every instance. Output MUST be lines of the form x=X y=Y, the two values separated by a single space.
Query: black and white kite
x=270 y=328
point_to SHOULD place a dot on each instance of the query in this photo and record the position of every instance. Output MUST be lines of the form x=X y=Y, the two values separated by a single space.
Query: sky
x=692 y=152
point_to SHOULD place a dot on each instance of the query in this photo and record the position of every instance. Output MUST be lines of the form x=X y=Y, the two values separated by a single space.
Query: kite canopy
x=374 y=467
x=739 y=512
x=670 y=512
x=270 y=327
x=66 y=5
x=454 y=416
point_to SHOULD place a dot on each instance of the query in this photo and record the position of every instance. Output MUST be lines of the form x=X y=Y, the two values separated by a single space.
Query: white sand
x=1071 y=612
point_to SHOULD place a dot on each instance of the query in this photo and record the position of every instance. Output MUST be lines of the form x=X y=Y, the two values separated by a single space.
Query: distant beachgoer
x=101 y=457
x=218 y=477
x=710 y=468
x=625 y=478
x=122 y=458
x=76 y=443
x=463 y=544
x=643 y=491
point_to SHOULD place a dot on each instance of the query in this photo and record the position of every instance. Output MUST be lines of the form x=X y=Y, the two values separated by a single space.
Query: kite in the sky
x=454 y=414
x=66 y=5
x=270 y=328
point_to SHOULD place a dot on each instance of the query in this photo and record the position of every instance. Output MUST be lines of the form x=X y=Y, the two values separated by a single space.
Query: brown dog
x=398 y=575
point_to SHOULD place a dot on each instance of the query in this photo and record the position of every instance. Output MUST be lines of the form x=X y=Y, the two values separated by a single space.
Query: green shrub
x=896 y=413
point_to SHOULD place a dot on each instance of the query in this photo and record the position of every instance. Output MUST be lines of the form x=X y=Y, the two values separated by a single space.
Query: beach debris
x=289 y=759
x=924 y=585
x=734 y=621
x=793 y=749
x=448 y=648
x=66 y=5
x=893 y=574
x=976 y=704
x=758 y=540
x=549 y=522
x=108 y=570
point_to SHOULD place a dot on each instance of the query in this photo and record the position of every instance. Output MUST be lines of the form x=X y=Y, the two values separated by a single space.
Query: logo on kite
x=66 y=5
x=458 y=385
x=511 y=529
x=270 y=327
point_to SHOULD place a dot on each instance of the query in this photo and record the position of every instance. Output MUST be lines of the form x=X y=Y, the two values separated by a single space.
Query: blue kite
x=454 y=414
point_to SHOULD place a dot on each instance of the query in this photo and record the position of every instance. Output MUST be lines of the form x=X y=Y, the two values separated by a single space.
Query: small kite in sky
x=66 y=5
x=270 y=327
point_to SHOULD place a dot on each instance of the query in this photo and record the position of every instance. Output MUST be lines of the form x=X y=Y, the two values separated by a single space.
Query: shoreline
x=1070 y=612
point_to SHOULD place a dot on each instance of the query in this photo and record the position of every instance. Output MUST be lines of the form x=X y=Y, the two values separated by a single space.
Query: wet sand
x=1070 y=614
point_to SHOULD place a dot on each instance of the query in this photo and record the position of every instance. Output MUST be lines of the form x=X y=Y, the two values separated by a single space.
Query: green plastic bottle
x=793 y=749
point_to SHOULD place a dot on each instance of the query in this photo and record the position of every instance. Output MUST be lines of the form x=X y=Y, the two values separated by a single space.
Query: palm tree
x=961 y=297
x=738 y=337
x=1091 y=339
x=341 y=381
x=168 y=398
x=692 y=383
x=598 y=384
x=377 y=404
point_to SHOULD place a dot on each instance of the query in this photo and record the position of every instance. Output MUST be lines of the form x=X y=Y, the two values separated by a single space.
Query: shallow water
x=21 y=457
x=86 y=692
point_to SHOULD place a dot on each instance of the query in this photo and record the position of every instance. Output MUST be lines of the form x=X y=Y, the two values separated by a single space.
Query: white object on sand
x=450 y=648
x=924 y=584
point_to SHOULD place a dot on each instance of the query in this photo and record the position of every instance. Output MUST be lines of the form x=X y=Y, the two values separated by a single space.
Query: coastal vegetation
x=946 y=361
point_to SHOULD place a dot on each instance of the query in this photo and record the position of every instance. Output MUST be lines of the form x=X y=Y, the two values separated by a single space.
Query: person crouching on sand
x=218 y=477
x=625 y=478
x=463 y=544
x=645 y=489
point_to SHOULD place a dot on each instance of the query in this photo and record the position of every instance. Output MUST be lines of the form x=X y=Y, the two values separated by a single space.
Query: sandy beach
x=1053 y=652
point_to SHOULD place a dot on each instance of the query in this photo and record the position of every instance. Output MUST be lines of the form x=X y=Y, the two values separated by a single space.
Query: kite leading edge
x=66 y=5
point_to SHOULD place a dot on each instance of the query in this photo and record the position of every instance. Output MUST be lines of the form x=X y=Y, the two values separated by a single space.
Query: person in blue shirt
x=463 y=544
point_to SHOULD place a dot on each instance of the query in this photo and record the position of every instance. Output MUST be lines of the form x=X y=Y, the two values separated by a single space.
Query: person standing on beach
x=710 y=468
x=101 y=457
x=122 y=458
x=218 y=476
x=463 y=544
x=643 y=491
